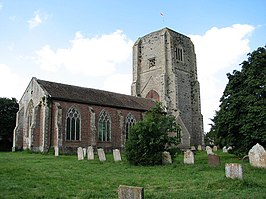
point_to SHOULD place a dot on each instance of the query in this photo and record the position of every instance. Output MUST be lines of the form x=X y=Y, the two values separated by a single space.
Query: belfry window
x=104 y=127
x=130 y=121
x=179 y=54
x=73 y=125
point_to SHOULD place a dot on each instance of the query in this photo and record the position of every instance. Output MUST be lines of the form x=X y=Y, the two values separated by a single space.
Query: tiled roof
x=78 y=94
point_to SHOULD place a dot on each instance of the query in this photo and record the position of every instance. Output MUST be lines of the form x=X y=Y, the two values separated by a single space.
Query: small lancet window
x=130 y=121
x=73 y=125
x=104 y=127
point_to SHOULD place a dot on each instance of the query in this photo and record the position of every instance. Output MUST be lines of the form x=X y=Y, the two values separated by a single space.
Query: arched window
x=130 y=121
x=73 y=124
x=104 y=127
x=179 y=53
x=152 y=94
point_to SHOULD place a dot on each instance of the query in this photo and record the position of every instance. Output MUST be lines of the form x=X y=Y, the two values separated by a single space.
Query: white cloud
x=37 y=19
x=11 y=85
x=219 y=50
x=1 y=6
x=96 y=56
x=119 y=83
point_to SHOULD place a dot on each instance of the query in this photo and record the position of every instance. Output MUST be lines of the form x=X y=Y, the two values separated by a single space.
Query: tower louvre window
x=179 y=54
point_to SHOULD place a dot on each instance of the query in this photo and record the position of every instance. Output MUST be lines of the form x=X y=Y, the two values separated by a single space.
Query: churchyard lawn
x=30 y=175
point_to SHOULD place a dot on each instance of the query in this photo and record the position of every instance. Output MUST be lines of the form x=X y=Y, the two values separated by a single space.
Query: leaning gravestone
x=84 y=152
x=166 y=158
x=188 y=157
x=80 y=153
x=129 y=192
x=257 y=156
x=90 y=153
x=56 y=151
x=214 y=148
x=233 y=171
x=101 y=155
x=225 y=149
x=213 y=160
x=117 y=156
x=209 y=150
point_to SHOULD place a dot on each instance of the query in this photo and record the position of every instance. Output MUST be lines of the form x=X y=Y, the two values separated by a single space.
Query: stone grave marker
x=129 y=192
x=257 y=156
x=225 y=149
x=214 y=148
x=199 y=148
x=209 y=150
x=56 y=151
x=188 y=157
x=166 y=158
x=84 y=152
x=117 y=156
x=90 y=153
x=101 y=155
x=213 y=160
x=234 y=171
x=193 y=148
x=80 y=153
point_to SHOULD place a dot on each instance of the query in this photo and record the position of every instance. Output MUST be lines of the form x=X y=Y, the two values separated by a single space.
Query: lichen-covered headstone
x=101 y=155
x=129 y=192
x=225 y=149
x=166 y=158
x=90 y=153
x=213 y=160
x=116 y=154
x=188 y=157
x=199 y=148
x=257 y=156
x=233 y=171
x=80 y=153
x=209 y=150
x=214 y=148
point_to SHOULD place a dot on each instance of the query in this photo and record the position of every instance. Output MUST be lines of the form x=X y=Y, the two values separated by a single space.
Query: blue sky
x=63 y=41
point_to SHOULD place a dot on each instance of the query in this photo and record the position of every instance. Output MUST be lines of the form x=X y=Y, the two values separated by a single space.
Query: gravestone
x=233 y=171
x=214 y=148
x=84 y=152
x=209 y=150
x=166 y=158
x=213 y=160
x=56 y=151
x=188 y=157
x=101 y=155
x=193 y=148
x=225 y=149
x=117 y=156
x=257 y=156
x=229 y=148
x=129 y=192
x=199 y=148
x=90 y=153
x=80 y=153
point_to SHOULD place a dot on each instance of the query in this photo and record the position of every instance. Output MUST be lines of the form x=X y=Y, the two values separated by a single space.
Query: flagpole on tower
x=162 y=15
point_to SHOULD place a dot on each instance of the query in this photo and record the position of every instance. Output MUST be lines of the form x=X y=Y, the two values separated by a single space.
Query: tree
x=8 y=110
x=241 y=120
x=149 y=138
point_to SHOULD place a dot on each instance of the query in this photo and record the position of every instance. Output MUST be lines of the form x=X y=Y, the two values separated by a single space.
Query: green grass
x=29 y=175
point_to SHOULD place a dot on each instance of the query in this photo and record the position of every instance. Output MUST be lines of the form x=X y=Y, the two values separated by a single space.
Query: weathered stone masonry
x=164 y=68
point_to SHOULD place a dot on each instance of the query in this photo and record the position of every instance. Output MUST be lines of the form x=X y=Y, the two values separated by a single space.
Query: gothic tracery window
x=104 y=127
x=130 y=121
x=73 y=124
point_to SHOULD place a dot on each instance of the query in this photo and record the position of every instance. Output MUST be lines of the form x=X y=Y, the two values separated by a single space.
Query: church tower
x=164 y=68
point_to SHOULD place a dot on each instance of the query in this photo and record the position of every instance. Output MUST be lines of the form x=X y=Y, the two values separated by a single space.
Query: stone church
x=64 y=117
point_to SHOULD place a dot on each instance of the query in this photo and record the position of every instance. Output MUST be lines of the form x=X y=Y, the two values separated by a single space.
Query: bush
x=148 y=138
